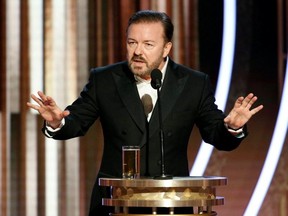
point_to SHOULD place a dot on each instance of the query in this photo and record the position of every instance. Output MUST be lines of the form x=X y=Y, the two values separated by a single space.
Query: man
x=114 y=95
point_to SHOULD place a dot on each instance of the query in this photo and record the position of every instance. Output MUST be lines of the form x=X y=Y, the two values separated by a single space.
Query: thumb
x=65 y=113
x=227 y=119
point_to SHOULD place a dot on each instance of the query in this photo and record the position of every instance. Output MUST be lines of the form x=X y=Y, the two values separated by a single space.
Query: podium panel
x=197 y=193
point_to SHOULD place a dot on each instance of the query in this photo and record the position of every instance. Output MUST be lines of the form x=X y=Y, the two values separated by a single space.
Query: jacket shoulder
x=119 y=66
x=183 y=71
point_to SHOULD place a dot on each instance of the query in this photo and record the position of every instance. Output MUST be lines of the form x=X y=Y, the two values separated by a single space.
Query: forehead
x=146 y=31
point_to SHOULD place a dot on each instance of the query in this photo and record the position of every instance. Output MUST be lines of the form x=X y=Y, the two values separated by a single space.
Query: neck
x=145 y=77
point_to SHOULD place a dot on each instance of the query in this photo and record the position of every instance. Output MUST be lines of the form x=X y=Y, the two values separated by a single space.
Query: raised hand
x=48 y=109
x=242 y=112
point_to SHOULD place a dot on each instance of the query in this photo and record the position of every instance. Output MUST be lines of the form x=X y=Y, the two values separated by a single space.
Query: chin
x=139 y=72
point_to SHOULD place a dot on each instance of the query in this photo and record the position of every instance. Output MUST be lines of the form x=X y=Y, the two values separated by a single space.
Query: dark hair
x=150 y=16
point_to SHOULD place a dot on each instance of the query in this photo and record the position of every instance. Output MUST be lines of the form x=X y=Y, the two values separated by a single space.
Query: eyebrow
x=149 y=41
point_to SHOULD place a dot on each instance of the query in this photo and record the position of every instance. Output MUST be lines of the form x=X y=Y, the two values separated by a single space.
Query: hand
x=241 y=113
x=48 y=109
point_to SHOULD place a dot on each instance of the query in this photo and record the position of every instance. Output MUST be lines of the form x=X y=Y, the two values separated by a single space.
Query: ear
x=167 y=49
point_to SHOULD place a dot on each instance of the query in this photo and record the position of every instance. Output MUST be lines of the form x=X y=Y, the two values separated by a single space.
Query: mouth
x=138 y=64
x=138 y=60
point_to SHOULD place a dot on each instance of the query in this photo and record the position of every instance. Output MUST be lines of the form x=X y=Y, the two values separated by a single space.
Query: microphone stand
x=163 y=175
x=147 y=173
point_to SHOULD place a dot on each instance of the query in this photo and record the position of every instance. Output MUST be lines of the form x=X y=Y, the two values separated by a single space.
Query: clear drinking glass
x=130 y=162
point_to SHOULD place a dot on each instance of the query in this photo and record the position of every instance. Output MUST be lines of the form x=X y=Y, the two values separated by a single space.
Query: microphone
x=156 y=78
x=156 y=82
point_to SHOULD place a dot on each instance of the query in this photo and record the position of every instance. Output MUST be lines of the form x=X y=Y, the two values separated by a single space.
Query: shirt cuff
x=49 y=130
x=238 y=133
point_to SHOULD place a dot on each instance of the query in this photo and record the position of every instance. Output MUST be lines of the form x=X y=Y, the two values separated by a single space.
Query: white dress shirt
x=144 y=88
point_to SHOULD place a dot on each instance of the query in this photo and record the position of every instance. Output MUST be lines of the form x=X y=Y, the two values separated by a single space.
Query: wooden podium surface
x=196 y=192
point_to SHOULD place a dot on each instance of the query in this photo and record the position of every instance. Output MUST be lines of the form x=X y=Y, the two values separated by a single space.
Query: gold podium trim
x=193 y=191
x=163 y=203
x=190 y=181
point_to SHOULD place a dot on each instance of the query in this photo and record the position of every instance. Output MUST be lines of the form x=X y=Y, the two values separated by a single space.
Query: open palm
x=48 y=109
x=242 y=112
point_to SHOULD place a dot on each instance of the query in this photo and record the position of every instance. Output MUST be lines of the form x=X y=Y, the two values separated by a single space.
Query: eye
x=131 y=43
x=149 y=46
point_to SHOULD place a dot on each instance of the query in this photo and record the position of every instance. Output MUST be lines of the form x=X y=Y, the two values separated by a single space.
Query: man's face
x=146 y=48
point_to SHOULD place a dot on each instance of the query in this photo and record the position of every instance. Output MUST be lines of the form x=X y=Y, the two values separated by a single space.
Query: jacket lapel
x=127 y=89
x=173 y=85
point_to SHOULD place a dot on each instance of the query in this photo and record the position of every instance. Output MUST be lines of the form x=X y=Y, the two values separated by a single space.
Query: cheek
x=129 y=53
x=158 y=55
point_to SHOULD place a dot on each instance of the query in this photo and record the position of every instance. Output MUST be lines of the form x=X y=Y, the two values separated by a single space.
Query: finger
x=257 y=109
x=49 y=101
x=239 y=101
x=247 y=99
x=251 y=102
x=46 y=100
x=41 y=94
x=36 y=99
x=32 y=106
x=43 y=97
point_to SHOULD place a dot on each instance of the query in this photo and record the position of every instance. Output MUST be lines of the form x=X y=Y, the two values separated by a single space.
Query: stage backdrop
x=50 y=45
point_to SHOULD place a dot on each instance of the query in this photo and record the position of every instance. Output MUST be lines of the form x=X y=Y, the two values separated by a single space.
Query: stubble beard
x=146 y=70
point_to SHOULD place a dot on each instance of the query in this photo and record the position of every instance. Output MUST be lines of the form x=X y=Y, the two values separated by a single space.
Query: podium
x=199 y=193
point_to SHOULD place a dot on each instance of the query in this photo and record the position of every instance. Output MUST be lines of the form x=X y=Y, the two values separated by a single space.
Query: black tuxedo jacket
x=111 y=95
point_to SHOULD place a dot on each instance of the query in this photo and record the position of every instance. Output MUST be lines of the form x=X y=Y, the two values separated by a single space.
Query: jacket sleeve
x=83 y=113
x=210 y=121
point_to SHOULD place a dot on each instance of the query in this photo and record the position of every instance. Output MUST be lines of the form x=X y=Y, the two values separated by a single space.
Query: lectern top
x=190 y=181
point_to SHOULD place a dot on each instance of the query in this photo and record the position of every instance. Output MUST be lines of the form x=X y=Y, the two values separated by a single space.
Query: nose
x=138 y=49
